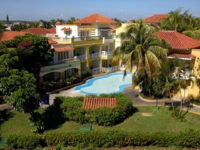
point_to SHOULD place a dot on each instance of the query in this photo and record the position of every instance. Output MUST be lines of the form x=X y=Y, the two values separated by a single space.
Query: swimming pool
x=110 y=83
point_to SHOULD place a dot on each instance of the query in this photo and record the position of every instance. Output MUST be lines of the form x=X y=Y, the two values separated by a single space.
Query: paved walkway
x=128 y=91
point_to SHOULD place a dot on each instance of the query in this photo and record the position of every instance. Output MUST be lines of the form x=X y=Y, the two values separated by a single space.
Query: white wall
x=61 y=33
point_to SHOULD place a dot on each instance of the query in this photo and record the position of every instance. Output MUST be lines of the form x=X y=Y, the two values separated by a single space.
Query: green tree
x=34 y=24
x=175 y=21
x=46 y=24
x=19 y=27
x=71 y=20
x=2 y=29
x=144 y=49
x=18 y=86
x=33 y=51
x=7 y=19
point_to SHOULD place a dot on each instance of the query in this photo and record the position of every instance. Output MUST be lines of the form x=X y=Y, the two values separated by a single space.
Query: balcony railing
x=63 y=61
x=95 y=70
x=110 y=69
x=107 y=52
x=95 y=55
x=82 y=57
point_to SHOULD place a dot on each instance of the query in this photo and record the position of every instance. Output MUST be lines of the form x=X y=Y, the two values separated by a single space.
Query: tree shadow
x=53 y=118
x=5 y=115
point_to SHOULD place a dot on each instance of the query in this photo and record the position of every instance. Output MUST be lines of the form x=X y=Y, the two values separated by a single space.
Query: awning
x=66 y=29
x=62 y=49
x=182 y=56
x=86 y=29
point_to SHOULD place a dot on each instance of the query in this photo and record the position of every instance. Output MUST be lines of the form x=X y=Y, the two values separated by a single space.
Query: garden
x=134 y=126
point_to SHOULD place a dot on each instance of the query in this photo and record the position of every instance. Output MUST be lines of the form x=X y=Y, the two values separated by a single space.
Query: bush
x=108 y=138
x=106 y=116
x=20 y=141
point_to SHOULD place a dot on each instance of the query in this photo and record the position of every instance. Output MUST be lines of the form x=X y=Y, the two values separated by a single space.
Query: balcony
x=81 y=57
x=110 y=69
x=64 y=61
x=106 y=54
x=94 y=55
x=76 y=40
x=95 y=70
x=108 y=39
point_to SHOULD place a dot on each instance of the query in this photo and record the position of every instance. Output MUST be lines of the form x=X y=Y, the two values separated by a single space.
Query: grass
x=160 y=120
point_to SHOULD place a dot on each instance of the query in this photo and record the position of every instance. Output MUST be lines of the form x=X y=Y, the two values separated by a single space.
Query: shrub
x=107 y=138
x=106 y=116
x=19 y=141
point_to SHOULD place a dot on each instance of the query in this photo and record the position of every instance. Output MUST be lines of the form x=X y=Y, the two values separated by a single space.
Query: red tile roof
x=9 y=35
x=66 y=29
x=52 y=30
x=61 y=49
x=93 y=103
x=94 y=18
x=178 y=41
x=51 y=41
x=40 y=31
x=183 y=56
x=156 y=18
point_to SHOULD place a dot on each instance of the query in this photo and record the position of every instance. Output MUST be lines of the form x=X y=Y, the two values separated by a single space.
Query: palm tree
x=144 y=49
x=175 y=21
x=34 y=24
x=71 y=20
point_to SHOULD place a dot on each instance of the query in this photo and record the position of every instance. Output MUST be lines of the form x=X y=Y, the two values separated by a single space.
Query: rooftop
x=40 y=31
x=9 y=35
x=156 y=18
x=94 y=18
x=93 y=103
x=178 y=41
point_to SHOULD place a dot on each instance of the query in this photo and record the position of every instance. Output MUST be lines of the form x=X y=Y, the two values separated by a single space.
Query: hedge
x=105 y=116
x=108 y=138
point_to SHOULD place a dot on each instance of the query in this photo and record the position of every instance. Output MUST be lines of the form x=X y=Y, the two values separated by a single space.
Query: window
x=68 y=33
x=84 y=33
x=62 y=55
x=104 y=33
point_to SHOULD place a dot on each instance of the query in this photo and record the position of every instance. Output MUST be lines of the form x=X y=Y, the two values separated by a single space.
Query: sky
x=34 y=10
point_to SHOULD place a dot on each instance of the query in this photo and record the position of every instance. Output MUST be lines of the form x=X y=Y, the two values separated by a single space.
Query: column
x=79 y=72
x=88 y=59
x=62 y=75
x=100 y=51
x=41 y=80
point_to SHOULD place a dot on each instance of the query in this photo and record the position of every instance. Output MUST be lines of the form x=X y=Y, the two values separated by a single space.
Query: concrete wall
x=61 y=33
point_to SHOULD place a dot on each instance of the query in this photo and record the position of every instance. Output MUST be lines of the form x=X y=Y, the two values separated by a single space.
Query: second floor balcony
x=75 y=40
x=94 y=55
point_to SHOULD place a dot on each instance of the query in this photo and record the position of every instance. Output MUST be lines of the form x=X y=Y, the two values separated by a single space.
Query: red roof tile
x=94 y=18
x=9 y=35
x=61 y=49
x=156 y=18
x=178 y=41
x=38 y=31
x=52 y=30
x=93 y=103
x=183 y=56
x=51 y=41
x=66 y=29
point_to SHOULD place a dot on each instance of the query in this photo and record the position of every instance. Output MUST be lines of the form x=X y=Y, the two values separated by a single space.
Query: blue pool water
x=111 y=83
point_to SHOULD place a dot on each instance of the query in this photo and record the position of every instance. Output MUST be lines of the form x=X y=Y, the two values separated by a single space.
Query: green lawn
x=159 y=120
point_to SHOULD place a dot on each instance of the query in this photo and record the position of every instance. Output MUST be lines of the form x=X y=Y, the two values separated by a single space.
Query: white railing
x=77 y=39
x=95 y=70
x=63 y=60
x=90 y=38
x=106 y=52
x=110 y=69
x=95 y=55
x=82 y=57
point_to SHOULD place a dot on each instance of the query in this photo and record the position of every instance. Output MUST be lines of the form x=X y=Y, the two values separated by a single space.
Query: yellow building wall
x=122 y=28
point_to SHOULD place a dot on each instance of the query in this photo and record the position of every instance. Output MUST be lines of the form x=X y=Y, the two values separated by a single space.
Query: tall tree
x=144 y=49
x=7 y=19
x=71 y=20
x=175 y=21
x=19 y=27
x=34 y=24
x=33 y=51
